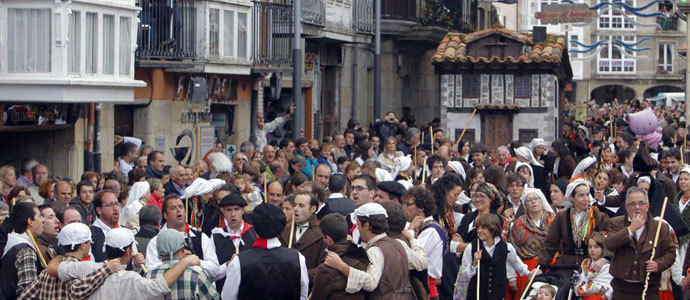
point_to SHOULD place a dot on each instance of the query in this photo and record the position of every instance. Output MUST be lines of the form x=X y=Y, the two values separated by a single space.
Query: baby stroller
x=563 y=283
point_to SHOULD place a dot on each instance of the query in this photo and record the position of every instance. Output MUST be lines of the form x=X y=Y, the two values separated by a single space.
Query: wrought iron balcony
x=313 y=11
x=399 y=9
x=272 y=32
x=363 y=16
x=167 y=30
x=668 y=23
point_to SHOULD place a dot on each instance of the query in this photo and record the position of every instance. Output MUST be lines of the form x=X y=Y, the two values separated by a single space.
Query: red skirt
x=523 y=280
x=665 y=295
x=433 y=290
x=593 y=297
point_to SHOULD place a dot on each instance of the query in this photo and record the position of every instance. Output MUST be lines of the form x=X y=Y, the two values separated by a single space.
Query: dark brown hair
x=490 y=222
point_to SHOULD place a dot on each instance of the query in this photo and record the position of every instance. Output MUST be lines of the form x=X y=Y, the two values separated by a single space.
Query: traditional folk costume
x=592 y=285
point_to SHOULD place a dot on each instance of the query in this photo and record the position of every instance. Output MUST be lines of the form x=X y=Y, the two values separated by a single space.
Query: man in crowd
x=20 y=259
x=412 y=139
x=275 y=193
x=363 y=191
x=504 y=160
x=307 y=238
x=76 y=240
x=493 y=173
x=389 y=191
x=63 y=195
x=177 y=183
x=39 y=174
x=156 y=163
x=108 y=212
x=263 y=129
x=70 y=215
x=630 y=237
x=83 y=202
x=25 y=179
x=47 y=241
x=126 y=160
x=337 y=201
x=251 y=275
x=323 y=173
x=194 y=283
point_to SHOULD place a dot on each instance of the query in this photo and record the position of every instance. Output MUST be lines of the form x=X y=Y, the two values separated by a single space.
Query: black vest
x=492 y=274
x=195 y=244
x=225 y=248
x=8 y=275
x=98 y=238
x=269 y=274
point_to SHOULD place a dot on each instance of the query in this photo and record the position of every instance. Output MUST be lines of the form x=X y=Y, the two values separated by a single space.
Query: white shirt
x=210 y=262
x=335 y=196
x=229 y=233
x=638 y=232
x=367 y=280
x=125 y=167
x=260 y=135
x=578 y=216
x=300 y=230
x=234 y=276
x=433 y=247
x=468 y=270
x=416 y=257
x=120 y=285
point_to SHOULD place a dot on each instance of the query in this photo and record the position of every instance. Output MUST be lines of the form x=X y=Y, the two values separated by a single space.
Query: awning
x=68 y=90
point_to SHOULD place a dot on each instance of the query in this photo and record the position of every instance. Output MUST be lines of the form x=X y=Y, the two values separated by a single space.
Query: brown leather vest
x=395 y=279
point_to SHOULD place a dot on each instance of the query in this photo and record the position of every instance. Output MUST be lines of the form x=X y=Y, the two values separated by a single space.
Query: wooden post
x=40 y=254
x=529 y=283
x=292 y=229
x=431 y=132
x=457 y=142
x=479 y=248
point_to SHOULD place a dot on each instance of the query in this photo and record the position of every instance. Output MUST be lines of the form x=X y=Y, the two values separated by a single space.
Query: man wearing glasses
x=83 y=202
x=631 y=239
x=363 y=191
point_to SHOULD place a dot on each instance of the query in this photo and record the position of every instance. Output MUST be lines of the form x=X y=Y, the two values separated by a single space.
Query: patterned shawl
x=527 y=237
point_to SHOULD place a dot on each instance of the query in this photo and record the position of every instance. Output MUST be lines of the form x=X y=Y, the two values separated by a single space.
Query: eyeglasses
x=633 y=204
x=111 y=205
x=535 y=200
x=408 y=203
x=479 y=197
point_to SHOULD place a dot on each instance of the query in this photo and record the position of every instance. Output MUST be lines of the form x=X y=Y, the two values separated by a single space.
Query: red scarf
x=260 y=243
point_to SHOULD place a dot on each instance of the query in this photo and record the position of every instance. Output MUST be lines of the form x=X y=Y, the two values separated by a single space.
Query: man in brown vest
x=387 y=276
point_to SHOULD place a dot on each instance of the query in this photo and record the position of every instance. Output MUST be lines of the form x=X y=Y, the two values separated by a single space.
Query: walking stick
x=40 y=255
x=186 y=209
x=529 y=283
x=479 y=248
x=265 y=189
x=424 y=171
x=292 y=230
x=431 y=134
x=656 y=241
x=457 y=142
x=685 y=142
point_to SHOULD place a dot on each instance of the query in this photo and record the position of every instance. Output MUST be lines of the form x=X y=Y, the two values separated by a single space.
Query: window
x=527 y=135
x=573 y=46
x=125 y=50
x=91 y=42
x=214 y=32
x=470 y=86
x=28 y=40
x=665 y=57
x=469 y=134
x=108 y=44
x=614 y=19
x=228 y=33
x=613 y=58
x=523 y=86
x=242 y=35
x=74 y=45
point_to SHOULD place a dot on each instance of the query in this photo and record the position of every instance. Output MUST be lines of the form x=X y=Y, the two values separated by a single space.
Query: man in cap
x=337 y=202
x=198 y=243
x=20 y=260
x=387 y=275
x=252 y=274
x=119 y=244
x=329 y=282
x=76 y=240
x=307 y=238
x=194 y=282
x=235 y=236
x=389 y=191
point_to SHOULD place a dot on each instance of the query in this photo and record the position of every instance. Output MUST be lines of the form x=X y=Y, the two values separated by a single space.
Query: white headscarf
x=198 y=187
x=531 y=172
x=571 y=188
x=383 y=175
x=138 y=190
x=536 y=142
x=584 y=165
x=545 y=204
x=585 y=130
x=526 y=153
x=401 y=164
x=457 y=167
x=685 y=168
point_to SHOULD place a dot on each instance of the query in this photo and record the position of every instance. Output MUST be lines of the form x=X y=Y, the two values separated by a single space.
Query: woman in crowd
x=558 y=202
x=564 y=164
x=389 y=154
x=8 y=180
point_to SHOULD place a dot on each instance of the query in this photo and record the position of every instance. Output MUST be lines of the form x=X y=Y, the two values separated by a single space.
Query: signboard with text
x=565 y=13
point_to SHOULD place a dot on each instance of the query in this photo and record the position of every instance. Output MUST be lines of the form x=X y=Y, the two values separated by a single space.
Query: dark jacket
x=88 y=214
x=310 y=244
x=329 y=283
x=343 y=206
x=629 y=256
x=566 y=167
x=144 y=236
x=170 y=189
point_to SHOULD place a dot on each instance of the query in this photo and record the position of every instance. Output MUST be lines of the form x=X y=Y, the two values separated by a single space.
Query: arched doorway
x=655 y=90
x=606 y=93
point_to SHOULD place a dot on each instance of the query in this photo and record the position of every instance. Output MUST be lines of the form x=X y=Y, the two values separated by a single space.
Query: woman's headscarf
x=531 y=177
x=527 y=154
x=584 y=165
x=571 y=188
x=536 y=142
x=198 y=187
x=138 y=190
x=585 y=130
x=457 y=167
x=545 y=204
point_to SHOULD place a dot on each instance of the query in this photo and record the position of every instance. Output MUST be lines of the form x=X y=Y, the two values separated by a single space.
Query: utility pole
x=377 y=63
x=297 y=73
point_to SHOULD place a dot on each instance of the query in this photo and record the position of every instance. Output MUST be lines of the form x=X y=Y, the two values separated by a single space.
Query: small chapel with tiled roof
x=512 y=81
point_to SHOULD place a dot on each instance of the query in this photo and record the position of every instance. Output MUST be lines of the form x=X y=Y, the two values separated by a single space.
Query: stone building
x=514 y=83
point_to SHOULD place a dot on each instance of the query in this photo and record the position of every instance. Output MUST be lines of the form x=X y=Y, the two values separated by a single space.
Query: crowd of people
x=396 y=210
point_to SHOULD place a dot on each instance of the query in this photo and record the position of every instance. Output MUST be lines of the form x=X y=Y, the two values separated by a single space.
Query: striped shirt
x=193 y=284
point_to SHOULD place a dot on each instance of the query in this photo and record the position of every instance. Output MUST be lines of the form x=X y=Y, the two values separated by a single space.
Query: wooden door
x=497 y=129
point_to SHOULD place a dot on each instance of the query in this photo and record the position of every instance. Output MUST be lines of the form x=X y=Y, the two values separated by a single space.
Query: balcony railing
x=363 y=16
x=399 y=9
x=313 y=11
x=668 y=23
x=272 y=32
x=167 y=30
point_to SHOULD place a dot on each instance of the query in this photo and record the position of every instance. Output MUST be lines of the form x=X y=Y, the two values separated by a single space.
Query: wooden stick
x=656 y=241
x=457 y=142
x=611 y=124
x=415 y=157
x=431 y=132
x=186 y=209
x=424 y=171
x=529 y=283
x=685 y=142
x=265 y=189
x=40 y=255
x=422 y=140
x=479 y=248
x=292 y=229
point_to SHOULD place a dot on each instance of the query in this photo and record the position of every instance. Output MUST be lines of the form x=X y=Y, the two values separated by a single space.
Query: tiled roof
x=453 y=48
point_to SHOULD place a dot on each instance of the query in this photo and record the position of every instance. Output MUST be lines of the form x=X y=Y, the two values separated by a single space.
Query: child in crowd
x=545 y=292
x=592 y=285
